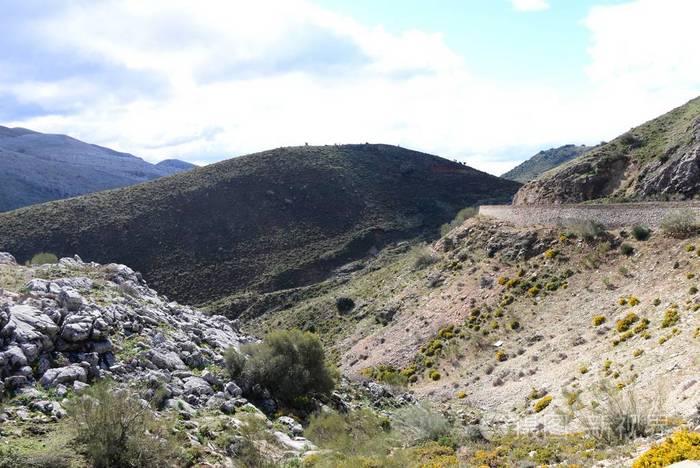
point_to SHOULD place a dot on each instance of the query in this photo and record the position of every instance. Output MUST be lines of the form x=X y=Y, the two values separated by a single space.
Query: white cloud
x=530 y=5
x=644 y=59
x=168 y=78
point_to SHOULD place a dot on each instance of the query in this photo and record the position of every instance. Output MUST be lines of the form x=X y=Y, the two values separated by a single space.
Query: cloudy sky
x=488 y=82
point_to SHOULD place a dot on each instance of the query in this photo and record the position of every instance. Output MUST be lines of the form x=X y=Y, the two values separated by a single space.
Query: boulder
x=228 y=407
x=79 y=386
x=211 y=379
x=197 y=386
x=232 y=389
x=298 y=444
x=31 y=324
x=4 y=315
x=294 y=427
x=70 y=299
x=76 y=327
x=63 y=375
x=37 y=285
x=76 y=282
x=13 y=357
x=101 y=347
x=16 y=381
x=166 y=360
x=7 y=259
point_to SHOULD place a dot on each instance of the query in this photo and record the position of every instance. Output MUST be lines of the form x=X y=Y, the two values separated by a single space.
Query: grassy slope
x=263 y=222
x=613 y=169
x=555 y=344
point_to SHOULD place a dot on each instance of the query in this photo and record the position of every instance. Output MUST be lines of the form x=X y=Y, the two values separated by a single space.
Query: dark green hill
x=544 y=161
x=267 y=221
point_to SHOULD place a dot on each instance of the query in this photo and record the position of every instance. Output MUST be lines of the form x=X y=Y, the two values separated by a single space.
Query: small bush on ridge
x=43 y=258
x=680 y=224
x=640 y=233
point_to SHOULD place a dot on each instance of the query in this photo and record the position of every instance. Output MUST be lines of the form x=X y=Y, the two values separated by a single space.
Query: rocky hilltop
x=37 y=167
x=274 y=220
x=658 y=160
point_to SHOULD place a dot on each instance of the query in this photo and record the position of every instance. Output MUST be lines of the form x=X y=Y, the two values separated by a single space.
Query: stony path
x=611 y=215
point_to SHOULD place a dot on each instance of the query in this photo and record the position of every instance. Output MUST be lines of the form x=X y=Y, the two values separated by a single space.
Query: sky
x=487 y=82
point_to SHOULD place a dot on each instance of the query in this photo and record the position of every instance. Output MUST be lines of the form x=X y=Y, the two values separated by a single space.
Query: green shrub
x=234 y=362
x=357 y=432
x=43 y=258
x=290 y=364
x=116 y=430
x=626 y=249
x=619 y=418
x=550 y=253
x=680 y=224
x=463 y=215
x=682 y=445
x=423 y=258
x=421 y=424
x=598 y=320
x=641 y=233
x=344 y=304
x=542 y=403
x=389 y=375
x=625 y=323
x=671 y=317
x=584 y=229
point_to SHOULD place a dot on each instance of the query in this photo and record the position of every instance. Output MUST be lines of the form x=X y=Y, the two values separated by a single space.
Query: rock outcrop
x=658 y=160
x=77 y=322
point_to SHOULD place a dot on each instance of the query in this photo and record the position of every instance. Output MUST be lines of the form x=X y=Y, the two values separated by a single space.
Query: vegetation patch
x=682 y=445
x=671 y=317
x=542 y=403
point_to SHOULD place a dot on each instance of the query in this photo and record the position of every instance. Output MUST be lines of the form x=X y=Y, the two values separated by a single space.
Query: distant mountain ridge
x=264 y=222
x=658 y=160
x=37 y=167
x=544 y=161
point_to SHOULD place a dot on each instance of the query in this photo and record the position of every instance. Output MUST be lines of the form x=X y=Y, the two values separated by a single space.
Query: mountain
x=37 y=167
x=173 y=166
x=263 y=222
x=657 y=160
x=544 y=161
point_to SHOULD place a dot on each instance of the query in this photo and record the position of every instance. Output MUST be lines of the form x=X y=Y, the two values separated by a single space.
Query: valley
x=259 y=311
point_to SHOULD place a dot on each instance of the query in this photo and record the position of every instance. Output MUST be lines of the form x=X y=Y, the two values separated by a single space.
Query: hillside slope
x=37 y=167
x=543 y=162
x=657 y=160
x=262 y=222
x=501 y=313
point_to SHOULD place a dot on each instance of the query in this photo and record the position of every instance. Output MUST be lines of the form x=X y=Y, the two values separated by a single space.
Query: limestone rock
x=63 y=375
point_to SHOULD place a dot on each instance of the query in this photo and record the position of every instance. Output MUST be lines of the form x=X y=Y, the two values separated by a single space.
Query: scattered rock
x=63 y=375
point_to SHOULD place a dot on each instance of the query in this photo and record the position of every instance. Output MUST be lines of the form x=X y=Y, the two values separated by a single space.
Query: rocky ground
x=493 y=319
x=65 y=326
x=508 y=332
